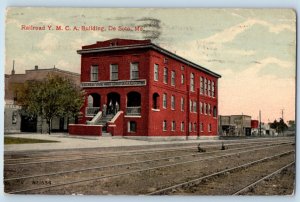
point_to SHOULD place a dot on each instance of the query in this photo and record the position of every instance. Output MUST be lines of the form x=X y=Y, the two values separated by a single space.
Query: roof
x=12 y=80
x=128 y=44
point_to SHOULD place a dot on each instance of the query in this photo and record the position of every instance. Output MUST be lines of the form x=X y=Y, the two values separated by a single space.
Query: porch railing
x=133 y=110
x=91 y=111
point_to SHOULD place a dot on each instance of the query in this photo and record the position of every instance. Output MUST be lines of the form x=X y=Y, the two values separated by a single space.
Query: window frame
x=129 y=126
x=114 y=72
x=165 y=125
x=134 y=71
x=156 y=72
x=173 y=78
x=192 y=82
x=165 y=101
x=94 y=73
x=165 y=75
x=172 y=102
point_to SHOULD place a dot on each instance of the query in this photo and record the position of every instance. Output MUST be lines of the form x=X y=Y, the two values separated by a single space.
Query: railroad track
x=14 y=162
x=138 y=162
x=213 y=184
x=119 y=174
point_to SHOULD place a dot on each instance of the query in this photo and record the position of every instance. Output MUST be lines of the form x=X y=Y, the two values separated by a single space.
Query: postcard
x=149 y=101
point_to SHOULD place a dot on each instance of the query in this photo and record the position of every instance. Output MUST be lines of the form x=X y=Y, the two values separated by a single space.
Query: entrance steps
x=105 y=119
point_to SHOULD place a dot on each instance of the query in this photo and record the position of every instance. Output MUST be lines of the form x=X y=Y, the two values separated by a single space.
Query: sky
x=254 y=50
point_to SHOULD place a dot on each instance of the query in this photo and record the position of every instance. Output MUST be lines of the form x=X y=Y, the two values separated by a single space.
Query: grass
x=18 y=140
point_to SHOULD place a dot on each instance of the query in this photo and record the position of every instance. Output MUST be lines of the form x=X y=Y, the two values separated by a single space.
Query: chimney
x=36 y=67
x=13 y=70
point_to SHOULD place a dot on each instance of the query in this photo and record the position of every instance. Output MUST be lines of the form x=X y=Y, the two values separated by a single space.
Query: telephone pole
x=282 y=121
x=259 y=123
x=282 y=113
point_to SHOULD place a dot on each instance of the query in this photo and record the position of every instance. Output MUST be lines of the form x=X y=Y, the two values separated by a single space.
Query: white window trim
x=111 y=65
x=173 y=102
x=165 y=98
x=156 y=65
x=173 y=79
x=131 y=70
x=164 y=125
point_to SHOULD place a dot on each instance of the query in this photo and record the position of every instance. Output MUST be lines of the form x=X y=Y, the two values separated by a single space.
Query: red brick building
x=156 y=92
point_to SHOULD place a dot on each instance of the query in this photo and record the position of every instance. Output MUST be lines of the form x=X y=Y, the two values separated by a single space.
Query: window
x=191 y=106
x=213 y=89
x=190 y=127
x=208 y=109
x=215 y=111
x=195 y=127
x=94 y=73
x=173 y=78
x=165 y=100
x=201 y=107
x=195 y=106
x=155 y=101
x=164 y=125
x=201 y=85
x=209 y=127
x=201 y=127
x=172 y=102
x=131 y=126
x=173 y=126
x=134 y=71
x=155 y=72
x=205 y=112
x=205 y=86
x=209 y=88
x=192 y=82
x=182 y=104
x=182 y=126
x=114 y=72
x=182 y=78
x=165 y=75
x=182 y=68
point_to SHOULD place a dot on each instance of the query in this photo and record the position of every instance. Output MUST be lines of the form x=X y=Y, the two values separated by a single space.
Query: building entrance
x=113 y=103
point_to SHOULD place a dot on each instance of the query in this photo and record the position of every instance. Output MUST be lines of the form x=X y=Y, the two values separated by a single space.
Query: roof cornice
x=151 y=46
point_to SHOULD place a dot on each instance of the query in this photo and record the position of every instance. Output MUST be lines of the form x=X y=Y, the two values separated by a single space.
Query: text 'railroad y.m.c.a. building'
x=136 y=88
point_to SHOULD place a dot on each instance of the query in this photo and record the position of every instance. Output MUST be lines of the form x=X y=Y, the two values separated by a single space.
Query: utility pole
x=259 y=123
x=282 y=113
x=282 y=120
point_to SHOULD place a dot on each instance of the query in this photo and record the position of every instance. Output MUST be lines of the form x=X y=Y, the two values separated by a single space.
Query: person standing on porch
x=117 y=106
x=104 y=108
x=110 y=107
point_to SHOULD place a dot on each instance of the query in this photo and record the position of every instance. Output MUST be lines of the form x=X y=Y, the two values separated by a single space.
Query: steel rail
x=263 y=178
x=147 y=150
x=132 y=163
x=219 y=173
x=103 y=157
x=131 y=172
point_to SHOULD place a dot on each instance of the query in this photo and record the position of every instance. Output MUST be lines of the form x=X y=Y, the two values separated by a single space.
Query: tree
x=53 y=97
x=279 y=126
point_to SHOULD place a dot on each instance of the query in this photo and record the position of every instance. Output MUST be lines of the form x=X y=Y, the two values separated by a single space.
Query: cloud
x=49 y=43
x=248 y=91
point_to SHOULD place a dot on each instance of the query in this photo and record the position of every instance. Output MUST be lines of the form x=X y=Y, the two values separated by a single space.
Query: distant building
x=14 y=121
x=235 y=125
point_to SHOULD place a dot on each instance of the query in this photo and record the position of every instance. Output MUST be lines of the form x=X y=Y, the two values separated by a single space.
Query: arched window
x=133 y=99
x=155 y=101
x=133 y=103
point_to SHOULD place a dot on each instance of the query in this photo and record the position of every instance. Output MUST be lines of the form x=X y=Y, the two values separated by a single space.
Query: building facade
x=235 y=125
x=14 y=120
x=147 y=90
